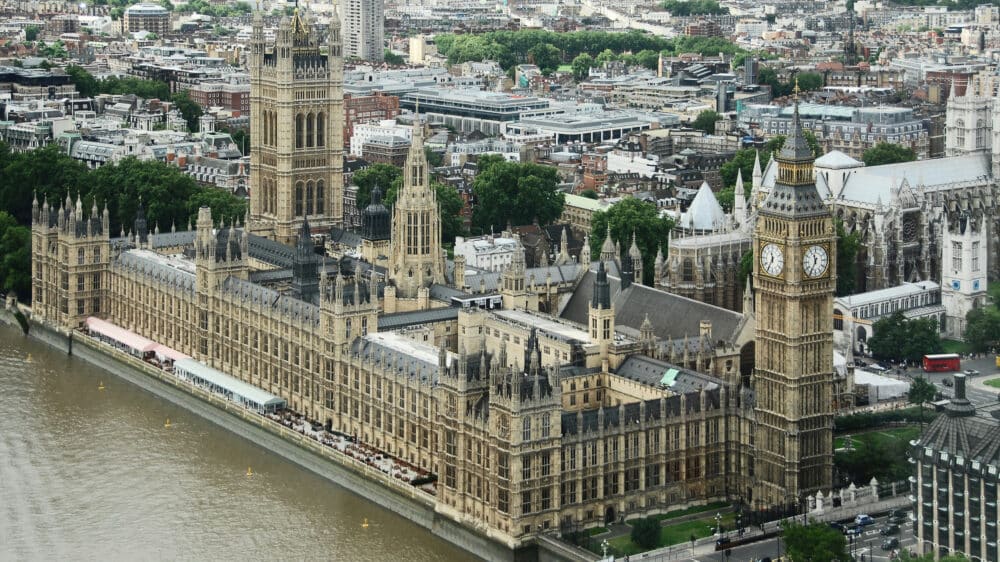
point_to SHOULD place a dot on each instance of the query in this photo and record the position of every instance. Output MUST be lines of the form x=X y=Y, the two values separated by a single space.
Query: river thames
x=91 y=474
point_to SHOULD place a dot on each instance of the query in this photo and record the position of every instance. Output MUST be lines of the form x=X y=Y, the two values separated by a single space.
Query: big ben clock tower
x=794 y=279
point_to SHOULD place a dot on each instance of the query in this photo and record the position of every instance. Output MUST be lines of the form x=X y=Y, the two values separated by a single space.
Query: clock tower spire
x=794 y=281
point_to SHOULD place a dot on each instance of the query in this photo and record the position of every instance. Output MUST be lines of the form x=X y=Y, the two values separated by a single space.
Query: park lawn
x=675 y=534
x=879 y=437
x=955 y=346
x=597 y=531
x=995 y=383
x=714 y=506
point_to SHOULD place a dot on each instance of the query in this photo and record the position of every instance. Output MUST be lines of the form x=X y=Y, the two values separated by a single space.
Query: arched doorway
x=609 y=515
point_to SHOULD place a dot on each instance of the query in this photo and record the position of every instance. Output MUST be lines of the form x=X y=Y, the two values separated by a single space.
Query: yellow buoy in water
x=364 y=525
x=100 y=386
x=166 y=423
x=249 y=472
x=29 y=359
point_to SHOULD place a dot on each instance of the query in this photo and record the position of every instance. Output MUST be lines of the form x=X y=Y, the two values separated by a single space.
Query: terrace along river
x=89 y=474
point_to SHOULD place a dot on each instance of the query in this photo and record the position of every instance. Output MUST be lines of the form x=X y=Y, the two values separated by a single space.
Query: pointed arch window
x=321 y=129
x=310 y=130
x=309 y=197
x=298 y=199
x=300 y=131
x=320 y=198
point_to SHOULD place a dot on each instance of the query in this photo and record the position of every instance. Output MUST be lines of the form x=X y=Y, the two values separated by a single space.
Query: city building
x=963 y=275
x=854 y=316
x=386 y=149
x=364 y=29
x=957 y=462
x=359 y=109
x=146 y=16
x=297 y=160
x=492 y=253
x=225 y=95
x=365 y=132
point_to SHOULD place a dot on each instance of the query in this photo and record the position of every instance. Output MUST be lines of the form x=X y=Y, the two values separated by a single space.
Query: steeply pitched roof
x=705 y=213
x=675 y=316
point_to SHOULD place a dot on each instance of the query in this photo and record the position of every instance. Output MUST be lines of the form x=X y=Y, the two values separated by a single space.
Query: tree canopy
x=897 y=339
x=509 y=48
x=694 y=7
x=646 y=532
x=847 y=259
x=190 y=110
x=15 y=256
x=921 y=392
x=169 y=196
x=815 y=541
x=515 y=193
x=982 y=328
x=886 y=153
x=383 y=175
x=633 y=216
x=705 y=121
x=808 y=81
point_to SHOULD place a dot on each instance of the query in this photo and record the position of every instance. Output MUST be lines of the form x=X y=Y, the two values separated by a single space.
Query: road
x=979 y=395
x=870 y=541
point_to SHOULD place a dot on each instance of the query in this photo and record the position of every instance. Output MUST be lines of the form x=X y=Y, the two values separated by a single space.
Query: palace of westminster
x=540 y=397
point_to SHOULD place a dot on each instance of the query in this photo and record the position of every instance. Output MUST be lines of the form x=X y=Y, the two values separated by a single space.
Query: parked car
x=855 y=531
x=971 y=372
x=839 y=526
x=890 y=529
x=889 y=544
x=877 y=367
x=863 y=519
x=947 y=382
x=898 y=516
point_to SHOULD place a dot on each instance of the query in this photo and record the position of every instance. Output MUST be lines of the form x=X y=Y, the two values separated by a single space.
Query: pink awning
x=163 y=351
x=120 y=335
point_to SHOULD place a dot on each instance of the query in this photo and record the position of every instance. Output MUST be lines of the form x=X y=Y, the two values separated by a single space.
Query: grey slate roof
x=158 y=269
x=672 y=316
x=403 y=319
x=284 y=304
x=650 y=371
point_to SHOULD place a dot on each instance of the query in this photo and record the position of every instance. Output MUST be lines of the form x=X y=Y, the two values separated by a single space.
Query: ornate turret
x=305 y=264
x=602 y=290
x=608 y=247
x=140 y=228
x=376 y=223
x=635 y=256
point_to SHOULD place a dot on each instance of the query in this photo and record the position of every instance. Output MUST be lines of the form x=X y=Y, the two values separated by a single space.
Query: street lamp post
x=718 y=524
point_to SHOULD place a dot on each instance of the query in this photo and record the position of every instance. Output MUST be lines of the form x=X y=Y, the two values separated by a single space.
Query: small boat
x=249 y=472
x=364 y=524
x=166 y=423
x=100 y=386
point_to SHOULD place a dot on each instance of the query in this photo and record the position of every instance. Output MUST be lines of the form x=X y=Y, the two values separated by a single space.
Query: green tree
x=382 y=175
x=746 y=266
x=628 y=217
x=84 y=81
x=434 y=158
x=47 y=171
x=226 y=207
x=809 y=81
x=648 y=58
x=743 y=161
x=165 y=192
x=190 y=110
x=15 y=257
x=605 y=56
x=921 y=392
x=514 y=192
x=581 y=66
x=450 y=205
x=167 y=5
x=778 y=141
x=897 y=339
x=646 y=532
x=589 y=194
x=886 y=153
x=546 y=56
x=31 y=32
x=242 y=139
x=706 y=121
x=393 y=59
x=982 y=328
x=904 y=556
x=815 y=541
x=847 y=259
x=693 y=7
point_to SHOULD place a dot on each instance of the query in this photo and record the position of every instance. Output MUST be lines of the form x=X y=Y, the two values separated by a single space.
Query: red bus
x=942 y=363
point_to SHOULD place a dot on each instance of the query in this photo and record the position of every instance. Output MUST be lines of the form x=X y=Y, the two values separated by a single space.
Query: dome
x=375 y=220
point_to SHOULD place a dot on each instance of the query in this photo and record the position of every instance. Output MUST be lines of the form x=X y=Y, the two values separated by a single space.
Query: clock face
x=772 y=260
x=815 y=261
